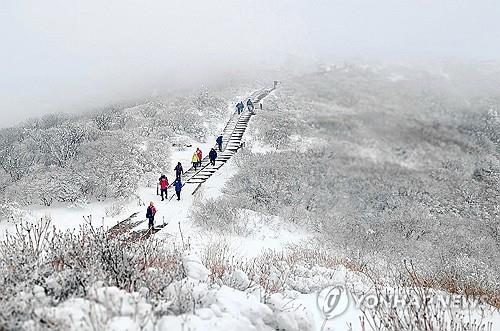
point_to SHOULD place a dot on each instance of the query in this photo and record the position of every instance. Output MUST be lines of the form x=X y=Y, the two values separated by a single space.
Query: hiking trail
x=172 y=217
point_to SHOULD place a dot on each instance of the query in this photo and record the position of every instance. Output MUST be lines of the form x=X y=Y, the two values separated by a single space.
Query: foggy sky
x=73 y=55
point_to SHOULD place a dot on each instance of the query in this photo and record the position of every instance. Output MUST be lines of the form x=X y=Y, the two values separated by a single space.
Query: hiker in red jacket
x=200 y=156
x=163 y=187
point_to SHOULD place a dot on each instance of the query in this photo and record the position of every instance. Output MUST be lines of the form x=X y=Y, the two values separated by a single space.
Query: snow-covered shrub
x=103 y=120
x=279 y=183
x=66 y=264
x=219 y=215
x=17 y=153
x=59 y=144
x=10 y=211
x=107 y=168
x=114 y=210
x=45 y=185
x=406 y=302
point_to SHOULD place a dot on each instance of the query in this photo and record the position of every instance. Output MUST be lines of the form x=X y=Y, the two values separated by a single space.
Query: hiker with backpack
x=250 y=105
x=178 y=188
x=238 y=109
x=212 y=156
x=163 y=187
x=150 y=215
x=200 y=156
x=219 y=142
x=195 y=160
x=178 y=171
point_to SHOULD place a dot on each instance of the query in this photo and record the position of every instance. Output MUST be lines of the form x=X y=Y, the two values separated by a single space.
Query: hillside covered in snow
x=382 y=182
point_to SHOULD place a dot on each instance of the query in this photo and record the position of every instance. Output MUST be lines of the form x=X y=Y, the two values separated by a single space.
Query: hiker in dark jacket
x=150 y=215
x=250 y=105
x=212 y=155
x=238 y=109
x=178 y=171
x=219 y=142
x=163 y=187
x=242 y=106
x=178 y=188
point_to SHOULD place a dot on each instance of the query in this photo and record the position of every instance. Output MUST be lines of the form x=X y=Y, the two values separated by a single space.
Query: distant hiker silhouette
x=178 y=171
x=219 y=142
x=240 y=107
x=212 y=156
x=250 y=105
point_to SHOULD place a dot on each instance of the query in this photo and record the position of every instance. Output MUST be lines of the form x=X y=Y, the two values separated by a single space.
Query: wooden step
x=203 y=172
x=200 y=176
x=197 y=181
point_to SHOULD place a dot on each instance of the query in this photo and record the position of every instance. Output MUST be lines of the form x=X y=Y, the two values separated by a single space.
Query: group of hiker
x=240 y=107
x=163 y=185
x=212 y=155
x=179 y=172
x=196 y=160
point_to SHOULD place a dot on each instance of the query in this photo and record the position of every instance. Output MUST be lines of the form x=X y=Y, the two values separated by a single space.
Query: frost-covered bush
x=17 y=153
x=181 y=116
x=46 y=185
x=58 y=145
x=10 y=211
x=220 y=216
x=67 y=264
x=108 y=167
x=114 y=210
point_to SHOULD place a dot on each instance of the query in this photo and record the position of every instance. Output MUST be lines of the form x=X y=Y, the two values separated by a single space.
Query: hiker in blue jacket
x=212 y=156
x=238 y=109
x=178 y=188
x=219 y=142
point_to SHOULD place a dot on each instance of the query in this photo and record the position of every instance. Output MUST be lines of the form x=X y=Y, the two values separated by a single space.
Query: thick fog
x=75 y=55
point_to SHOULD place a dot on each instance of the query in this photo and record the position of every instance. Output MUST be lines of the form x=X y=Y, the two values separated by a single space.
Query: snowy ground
x=219 y=307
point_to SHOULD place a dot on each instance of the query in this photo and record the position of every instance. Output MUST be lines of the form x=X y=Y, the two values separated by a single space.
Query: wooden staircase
x=232 y=137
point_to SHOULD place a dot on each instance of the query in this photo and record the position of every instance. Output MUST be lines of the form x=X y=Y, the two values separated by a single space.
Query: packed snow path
x=170 y=216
